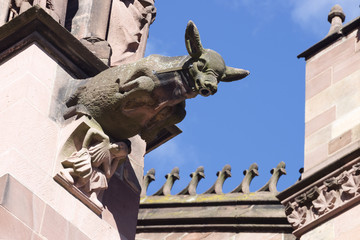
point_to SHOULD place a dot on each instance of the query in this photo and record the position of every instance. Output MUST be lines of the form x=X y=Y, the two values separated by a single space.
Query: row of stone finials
x=190 y=189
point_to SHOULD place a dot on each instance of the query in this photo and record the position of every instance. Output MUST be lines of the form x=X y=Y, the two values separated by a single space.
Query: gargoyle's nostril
x=204 y=92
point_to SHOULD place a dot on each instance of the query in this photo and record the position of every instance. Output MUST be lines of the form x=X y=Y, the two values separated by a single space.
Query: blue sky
x=258 y=119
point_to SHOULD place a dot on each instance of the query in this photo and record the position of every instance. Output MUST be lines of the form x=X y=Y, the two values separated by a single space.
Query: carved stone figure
x=129 y=28
x=148 y=95
x=90 y=168
x=55 y=8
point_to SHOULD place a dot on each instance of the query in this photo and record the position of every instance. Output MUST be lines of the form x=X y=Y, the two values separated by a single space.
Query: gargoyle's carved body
x=145 y=96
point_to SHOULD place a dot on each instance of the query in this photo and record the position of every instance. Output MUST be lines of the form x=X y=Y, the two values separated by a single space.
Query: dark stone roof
x=330 y=39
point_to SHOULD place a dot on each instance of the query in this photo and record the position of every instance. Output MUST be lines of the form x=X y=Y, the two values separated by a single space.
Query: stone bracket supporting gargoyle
x=88 y=160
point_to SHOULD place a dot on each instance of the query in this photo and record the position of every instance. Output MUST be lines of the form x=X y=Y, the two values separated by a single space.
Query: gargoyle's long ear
x=192 y=40
x=233 y=74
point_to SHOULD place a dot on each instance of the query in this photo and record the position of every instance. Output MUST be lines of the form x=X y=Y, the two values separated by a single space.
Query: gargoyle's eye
x=200 y=65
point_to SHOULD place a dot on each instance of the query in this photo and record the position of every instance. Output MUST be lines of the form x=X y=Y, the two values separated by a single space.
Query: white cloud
x=171 y=154
x=311 y=15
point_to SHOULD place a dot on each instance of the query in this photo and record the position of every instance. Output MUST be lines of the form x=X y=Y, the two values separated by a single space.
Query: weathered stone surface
x=339 y=142
x=12 y=227
x=320 y=121
x=233 y=212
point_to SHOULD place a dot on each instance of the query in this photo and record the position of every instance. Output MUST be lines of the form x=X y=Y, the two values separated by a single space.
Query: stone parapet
x=239 y=214
x=210 y=216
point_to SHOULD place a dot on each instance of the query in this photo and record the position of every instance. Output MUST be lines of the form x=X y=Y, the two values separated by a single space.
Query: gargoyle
x=148 y=95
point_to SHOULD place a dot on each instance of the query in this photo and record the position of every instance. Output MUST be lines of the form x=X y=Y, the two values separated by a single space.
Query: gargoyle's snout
x=207 y=89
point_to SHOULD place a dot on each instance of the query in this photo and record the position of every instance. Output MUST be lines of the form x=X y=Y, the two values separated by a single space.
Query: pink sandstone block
x=347 y=223
x=36 y=236
x=56 y=197
x=322 y=136
x=324 y=231
x=340 y=142
x=316 y=156
x=175 y=236
x=320 y=121
x=14 y=67
x=28 y=87
x=193 y=236
x=34 y=136
x=318 y=83
x=335 y=55
x=351 y=234
x=32 y=59
x=22 y=203
x=258 y=236
x=12 y=228
x=150 y=236
x=55 y=226
x=219 y=236
x=346 y=67
x=42 y=66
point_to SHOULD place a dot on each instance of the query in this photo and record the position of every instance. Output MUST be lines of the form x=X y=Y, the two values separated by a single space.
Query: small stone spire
x=336 y=17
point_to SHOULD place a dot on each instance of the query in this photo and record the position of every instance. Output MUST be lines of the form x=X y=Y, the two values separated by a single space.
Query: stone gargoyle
x=148 y=95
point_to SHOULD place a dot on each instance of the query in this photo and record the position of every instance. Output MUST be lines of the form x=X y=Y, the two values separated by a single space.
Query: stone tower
x=325 y=203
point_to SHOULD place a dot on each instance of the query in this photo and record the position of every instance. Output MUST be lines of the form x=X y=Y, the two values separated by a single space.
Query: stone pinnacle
x=336 y=17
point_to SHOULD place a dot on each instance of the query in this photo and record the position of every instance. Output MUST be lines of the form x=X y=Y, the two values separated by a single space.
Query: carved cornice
x=324 y=194
x=334 y=194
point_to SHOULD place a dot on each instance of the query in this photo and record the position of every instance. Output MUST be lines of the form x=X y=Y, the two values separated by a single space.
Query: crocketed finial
x=221 y=177
x=148 y=178
x=336 y=17
x=170 y=180
x=244 y=186
x=277 y=172
x=196 y=176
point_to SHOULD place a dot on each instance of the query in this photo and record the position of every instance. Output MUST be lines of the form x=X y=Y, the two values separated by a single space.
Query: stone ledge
x=36 y=20
x=78 y=194
x=210 y=199
x=254 y=212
